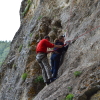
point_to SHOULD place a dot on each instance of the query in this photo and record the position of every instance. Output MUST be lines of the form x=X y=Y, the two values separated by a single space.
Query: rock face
x=79 y=74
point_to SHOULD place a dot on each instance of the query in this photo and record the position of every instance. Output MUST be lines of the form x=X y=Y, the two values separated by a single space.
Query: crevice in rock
x=89 y=93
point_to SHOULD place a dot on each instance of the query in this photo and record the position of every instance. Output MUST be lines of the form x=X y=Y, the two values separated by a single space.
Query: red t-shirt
x=43 y=45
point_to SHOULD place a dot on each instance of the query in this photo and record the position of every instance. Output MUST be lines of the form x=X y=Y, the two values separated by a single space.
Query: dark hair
x=47 y=37
x=59 y=37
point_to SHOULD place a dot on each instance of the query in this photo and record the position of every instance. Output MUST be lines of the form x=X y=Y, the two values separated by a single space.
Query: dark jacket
x=60 y=50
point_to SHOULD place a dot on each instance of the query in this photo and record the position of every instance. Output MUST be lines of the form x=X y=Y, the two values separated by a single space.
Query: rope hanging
x=76 y=38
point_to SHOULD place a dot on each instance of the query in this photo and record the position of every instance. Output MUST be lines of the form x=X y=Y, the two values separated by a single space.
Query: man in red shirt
x=41 y=57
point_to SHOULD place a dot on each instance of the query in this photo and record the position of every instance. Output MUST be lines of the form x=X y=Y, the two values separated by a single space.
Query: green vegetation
x=31 y=34
x=70 y=89
x=14 y=66
x=27 y=8
x=69 y=97
x=28 y=1
x=9 y=88
x=24 y=76
x=4 y=50
x=77 y=73
x=39 y=79
x=20 y=48
x=29 y=44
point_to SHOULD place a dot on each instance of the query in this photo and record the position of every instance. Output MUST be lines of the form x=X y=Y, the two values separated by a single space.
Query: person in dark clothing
x=42 y=59
x=56 y=56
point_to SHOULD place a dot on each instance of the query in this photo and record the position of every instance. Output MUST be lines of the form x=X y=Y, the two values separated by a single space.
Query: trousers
x=55 y=64
x=44 y=64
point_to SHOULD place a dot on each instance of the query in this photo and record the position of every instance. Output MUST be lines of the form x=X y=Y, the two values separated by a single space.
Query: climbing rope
x=75 y=38
x=67 y=34
x=86 y=33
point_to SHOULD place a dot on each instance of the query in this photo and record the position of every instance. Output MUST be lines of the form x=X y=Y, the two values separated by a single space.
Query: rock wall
x=79 y=73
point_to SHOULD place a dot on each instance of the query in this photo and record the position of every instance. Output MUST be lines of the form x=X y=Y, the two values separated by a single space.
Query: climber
x=57 y=55
x=41 y=57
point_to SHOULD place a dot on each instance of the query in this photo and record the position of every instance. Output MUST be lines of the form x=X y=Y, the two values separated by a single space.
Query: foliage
x=70 y=89
x=28 y=1
x=77 y=73
x=31 y=34
x=4 y=50
x=27 y=8
x=39 y=79
x=69 y=97
x=24 y=76
x=20 y=48
x=29 y=44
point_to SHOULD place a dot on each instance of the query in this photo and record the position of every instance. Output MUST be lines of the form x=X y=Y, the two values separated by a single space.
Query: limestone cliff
x=79 y=74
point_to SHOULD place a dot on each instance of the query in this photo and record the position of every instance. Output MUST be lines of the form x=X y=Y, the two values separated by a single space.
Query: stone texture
x=78 y=20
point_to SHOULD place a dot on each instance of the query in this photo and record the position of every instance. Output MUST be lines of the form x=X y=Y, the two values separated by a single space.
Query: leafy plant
x=4 y=50
x=20 y=48
x=27 y=8
x=31 y=34
x=28 y=1
x=39 y=79
x=69 y=97
x=24 y=76
x=29 y=44
x=9 y=88
x=77 y=73
x=70 y=89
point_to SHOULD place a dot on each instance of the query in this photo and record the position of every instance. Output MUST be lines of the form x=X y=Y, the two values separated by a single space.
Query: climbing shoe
x=52 y=79
x=47 y=83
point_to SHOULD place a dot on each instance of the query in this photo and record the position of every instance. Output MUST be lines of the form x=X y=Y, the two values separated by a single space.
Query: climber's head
x=61 y=38
x=47 y=37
